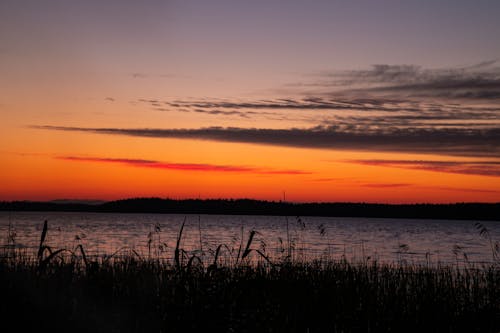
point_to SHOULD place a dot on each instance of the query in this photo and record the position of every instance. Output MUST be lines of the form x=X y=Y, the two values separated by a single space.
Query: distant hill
x=77 y=201
x=460 y=211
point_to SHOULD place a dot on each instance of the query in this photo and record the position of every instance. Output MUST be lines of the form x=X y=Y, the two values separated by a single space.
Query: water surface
x=385 y=240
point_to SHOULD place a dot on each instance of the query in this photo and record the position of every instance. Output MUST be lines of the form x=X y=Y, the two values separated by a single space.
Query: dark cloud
x=399 y=97
x=444 y=141
x=246 y=114
x=336 y=111
x=238 y=109
x=377 y=74
x=481 y=81
x=424 y=120
x=367 y=111
x=480 y=168
x=385 y=108
x=183 y=166
x=473 y=88
x=308 y=103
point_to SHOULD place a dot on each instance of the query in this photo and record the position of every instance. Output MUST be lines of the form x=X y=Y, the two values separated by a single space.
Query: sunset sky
x=362 y=101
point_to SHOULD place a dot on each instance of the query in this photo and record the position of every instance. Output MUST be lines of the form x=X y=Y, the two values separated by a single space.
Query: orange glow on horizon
x=314 y=175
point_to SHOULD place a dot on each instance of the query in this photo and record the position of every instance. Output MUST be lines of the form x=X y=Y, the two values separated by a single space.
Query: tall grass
x=64 y=290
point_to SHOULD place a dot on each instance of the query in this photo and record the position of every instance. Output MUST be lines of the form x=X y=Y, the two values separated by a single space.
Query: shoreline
x=456 y=211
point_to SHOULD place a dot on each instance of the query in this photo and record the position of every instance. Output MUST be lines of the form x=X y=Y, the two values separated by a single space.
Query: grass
x=242 y=291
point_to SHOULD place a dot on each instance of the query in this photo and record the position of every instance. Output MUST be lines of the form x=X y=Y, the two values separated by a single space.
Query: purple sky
x=240 y=46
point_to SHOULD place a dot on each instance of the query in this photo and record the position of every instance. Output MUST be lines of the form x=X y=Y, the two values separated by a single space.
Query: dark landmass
x=77 y=201
x=457 y=211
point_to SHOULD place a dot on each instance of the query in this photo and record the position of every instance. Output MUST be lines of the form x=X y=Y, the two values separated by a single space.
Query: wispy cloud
x=386 y=185
x=138 y=75
x=394 y=186
x=306 y=103
x=378 y=107
x=389 y=108
x=273 y=109
x=445 y=141
x=480 y=81
x=142 y=75
x=460 y=189
x=480 y=168
x=200 y=167
x=329 y=179
x=399 y=96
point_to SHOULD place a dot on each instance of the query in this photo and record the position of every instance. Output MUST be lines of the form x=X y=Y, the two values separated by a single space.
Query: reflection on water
x=385 y=240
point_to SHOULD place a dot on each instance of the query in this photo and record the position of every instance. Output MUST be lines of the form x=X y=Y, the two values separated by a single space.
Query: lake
x=385 y=240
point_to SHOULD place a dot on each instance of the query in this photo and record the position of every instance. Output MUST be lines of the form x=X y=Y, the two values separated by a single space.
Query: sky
x=359 y=101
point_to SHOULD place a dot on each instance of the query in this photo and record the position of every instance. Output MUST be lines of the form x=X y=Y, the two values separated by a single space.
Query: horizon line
x=101 y=201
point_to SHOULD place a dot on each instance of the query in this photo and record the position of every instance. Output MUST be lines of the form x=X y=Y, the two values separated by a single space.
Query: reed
x=131 y=293
x=177 y=246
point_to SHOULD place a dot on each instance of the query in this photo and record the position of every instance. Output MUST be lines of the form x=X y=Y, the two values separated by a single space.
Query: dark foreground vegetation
x=239 y=290
x=458 y=211
x=132 y=295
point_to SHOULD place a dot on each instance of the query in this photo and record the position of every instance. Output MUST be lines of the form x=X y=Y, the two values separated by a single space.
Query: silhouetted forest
x=462 y=211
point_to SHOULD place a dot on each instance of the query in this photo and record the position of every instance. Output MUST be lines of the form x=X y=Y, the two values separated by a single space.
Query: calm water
x=387 y=240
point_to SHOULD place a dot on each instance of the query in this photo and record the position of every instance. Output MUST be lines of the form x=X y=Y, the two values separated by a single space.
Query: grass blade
x=177 y=246
x=42 y=240
x=83 y=254
x=249 y=243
